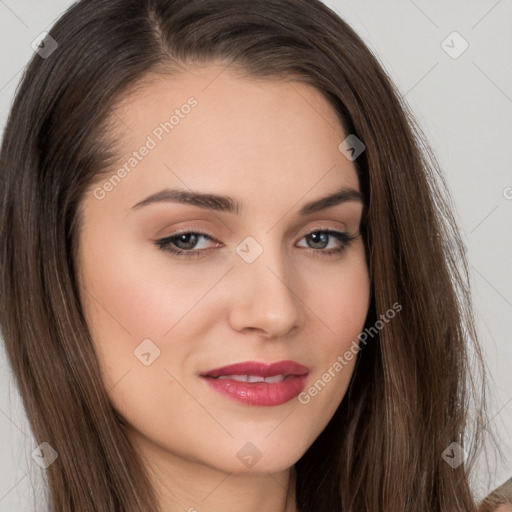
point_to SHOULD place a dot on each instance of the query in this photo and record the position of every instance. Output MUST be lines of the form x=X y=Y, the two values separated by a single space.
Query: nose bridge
x=265 y=297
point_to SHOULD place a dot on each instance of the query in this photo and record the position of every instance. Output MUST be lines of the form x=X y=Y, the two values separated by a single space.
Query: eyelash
x=165 y=243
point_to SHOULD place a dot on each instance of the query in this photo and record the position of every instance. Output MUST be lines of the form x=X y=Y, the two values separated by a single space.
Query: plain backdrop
x=463 y=102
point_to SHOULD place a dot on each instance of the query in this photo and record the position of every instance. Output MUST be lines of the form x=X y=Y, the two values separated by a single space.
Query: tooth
x=255 y=378
x=275 y=378
x=240 y=378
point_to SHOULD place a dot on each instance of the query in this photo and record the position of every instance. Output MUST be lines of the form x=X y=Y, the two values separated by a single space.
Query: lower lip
x=259 y=393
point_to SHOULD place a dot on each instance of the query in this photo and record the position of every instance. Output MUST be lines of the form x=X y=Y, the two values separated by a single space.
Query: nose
x=264 y=298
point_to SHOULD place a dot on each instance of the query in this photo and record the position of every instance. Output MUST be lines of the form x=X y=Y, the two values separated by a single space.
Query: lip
x=259 y=393
x=258 y=368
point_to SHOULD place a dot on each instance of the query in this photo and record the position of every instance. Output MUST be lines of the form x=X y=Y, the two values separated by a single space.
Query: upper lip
x=260 y=369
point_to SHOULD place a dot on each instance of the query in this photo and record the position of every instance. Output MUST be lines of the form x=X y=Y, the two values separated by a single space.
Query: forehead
x=210 y=129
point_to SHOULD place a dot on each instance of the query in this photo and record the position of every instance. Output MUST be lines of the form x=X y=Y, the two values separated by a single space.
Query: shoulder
x=499 y=500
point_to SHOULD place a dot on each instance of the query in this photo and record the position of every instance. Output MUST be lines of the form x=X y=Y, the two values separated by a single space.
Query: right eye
x=184 y=243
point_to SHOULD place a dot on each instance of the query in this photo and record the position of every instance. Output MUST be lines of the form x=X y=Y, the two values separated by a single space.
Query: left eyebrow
x=344 y=195
x=231 y=205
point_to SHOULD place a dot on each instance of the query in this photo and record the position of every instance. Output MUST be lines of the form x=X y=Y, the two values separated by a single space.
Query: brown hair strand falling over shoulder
x=409 y=395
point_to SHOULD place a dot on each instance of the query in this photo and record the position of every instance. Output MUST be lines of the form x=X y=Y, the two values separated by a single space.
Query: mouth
x=257 y=383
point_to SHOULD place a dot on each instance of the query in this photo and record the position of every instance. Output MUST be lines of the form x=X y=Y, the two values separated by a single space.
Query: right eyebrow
x=201 y=200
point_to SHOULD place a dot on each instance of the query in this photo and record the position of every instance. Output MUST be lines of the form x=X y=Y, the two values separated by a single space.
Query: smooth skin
x=273 y=146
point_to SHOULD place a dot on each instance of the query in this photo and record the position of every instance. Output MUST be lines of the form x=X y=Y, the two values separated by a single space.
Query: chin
x=259 y=458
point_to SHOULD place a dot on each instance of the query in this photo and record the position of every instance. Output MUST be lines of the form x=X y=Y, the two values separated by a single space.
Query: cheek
x=132 y=299
x=341 y=303
x=340 y=296
x=138 y=296
x=134 y=289
x=136 y=302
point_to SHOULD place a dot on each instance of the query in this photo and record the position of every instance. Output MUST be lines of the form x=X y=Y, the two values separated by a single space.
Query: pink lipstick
x=257 y=383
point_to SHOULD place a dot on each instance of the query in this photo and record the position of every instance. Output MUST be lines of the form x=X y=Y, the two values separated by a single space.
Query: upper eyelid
x=199 y=231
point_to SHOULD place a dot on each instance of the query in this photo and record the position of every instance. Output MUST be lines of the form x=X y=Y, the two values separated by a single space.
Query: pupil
x=319 y=237
x=190 y=244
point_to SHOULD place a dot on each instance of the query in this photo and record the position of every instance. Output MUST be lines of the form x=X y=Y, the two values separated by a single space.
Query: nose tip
x=265 y=301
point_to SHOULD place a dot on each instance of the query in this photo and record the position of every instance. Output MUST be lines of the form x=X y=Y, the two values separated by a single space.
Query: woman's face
x=263 y=283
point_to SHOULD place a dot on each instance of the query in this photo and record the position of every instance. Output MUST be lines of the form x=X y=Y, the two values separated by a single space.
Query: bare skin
x=272 y=146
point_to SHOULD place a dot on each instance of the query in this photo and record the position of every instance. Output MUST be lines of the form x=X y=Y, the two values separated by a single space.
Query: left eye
x=322 y=238
x=185 y=244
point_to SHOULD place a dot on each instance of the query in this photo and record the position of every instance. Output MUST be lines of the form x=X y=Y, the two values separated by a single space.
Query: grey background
x=464 y=106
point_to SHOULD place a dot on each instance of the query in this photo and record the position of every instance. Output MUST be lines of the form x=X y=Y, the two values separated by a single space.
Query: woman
x=240 y=265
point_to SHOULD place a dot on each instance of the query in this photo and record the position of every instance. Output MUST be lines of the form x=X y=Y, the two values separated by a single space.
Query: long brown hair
x=410 y=395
